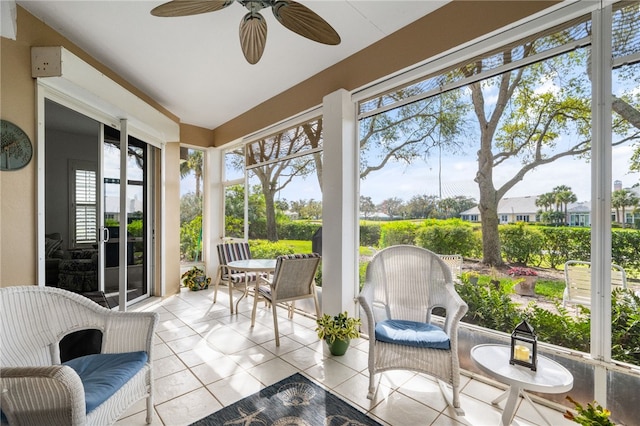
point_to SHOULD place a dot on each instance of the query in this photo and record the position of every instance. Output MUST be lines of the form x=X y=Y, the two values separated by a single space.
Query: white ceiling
x=194 y=67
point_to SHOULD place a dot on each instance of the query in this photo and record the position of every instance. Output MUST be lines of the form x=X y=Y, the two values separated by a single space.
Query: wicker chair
x=403 y=285
x=37 y=389
x=293 y=279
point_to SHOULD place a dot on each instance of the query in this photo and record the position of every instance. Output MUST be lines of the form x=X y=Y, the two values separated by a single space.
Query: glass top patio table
x=267 y=266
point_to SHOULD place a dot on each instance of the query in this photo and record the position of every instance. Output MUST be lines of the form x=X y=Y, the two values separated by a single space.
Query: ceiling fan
x=253 y=27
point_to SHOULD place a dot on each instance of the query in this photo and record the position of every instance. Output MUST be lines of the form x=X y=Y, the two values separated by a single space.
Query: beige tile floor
x=205 y=359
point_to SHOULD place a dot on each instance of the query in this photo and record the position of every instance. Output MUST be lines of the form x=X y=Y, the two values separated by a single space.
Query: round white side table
x=550 y=377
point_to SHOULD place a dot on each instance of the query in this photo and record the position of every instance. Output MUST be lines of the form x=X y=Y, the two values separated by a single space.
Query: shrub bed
x=491 y=306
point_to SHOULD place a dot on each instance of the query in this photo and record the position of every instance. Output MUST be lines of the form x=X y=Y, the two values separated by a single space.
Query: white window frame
x=74 y=167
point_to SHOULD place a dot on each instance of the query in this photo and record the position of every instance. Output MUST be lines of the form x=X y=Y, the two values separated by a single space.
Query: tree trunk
x=272 y=230
x=488 y=206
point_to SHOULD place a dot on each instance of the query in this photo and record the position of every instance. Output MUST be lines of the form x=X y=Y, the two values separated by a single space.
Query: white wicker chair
x=406 y=283
x=36 y=389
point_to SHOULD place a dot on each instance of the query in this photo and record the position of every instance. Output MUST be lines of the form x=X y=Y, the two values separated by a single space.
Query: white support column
x=339 y=204
x=213 y=205
x=601 y=199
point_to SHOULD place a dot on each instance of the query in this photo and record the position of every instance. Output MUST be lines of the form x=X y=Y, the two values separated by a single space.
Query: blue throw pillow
x=103 y=374
x=411 y=333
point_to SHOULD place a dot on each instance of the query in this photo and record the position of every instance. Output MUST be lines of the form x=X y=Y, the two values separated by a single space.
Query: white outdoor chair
x=454 y=262
x=403 y=285
x=293 y=279
x=39 y=389
x=577 y=278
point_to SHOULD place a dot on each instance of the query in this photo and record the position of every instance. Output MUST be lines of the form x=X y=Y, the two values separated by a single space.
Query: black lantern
x=524 y=344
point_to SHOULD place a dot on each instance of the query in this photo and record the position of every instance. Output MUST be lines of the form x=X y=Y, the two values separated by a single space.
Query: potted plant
x=591 y=415
x=195 y=279
x=338 y=331
x=525 y=282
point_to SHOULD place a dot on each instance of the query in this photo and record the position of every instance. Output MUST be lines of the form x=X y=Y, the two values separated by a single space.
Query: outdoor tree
x=367 y=207
x=234 y=210
x=391 y=206
x=193 y=163
x=546 y=201
x=620 y=200
x=453 y=206
x=535 y=107
x=421 y=206
x=275 y=161
x=562 y=197
x=411 y=131
x=307 y=209
x=190 y=207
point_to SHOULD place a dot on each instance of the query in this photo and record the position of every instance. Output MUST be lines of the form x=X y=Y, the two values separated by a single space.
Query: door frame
x=49 y=89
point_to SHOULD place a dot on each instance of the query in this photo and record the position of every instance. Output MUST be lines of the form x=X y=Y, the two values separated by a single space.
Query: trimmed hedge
x=451 y=236
x=297 y=230
x=394 y=233
x=521 y=243
x=369 y=234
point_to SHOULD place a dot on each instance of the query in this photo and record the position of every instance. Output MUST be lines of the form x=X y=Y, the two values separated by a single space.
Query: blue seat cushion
x=103 y=374
x=411 y=333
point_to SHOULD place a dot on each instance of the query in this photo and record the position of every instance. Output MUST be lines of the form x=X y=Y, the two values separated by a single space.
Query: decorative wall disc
x=16 y=149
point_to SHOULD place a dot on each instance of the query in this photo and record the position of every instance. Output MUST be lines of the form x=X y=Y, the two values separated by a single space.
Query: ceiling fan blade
x=302 y=20
x=189 y=7
x=253 y=36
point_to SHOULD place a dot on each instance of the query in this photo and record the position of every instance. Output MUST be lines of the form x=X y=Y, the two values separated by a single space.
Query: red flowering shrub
x=518 y=271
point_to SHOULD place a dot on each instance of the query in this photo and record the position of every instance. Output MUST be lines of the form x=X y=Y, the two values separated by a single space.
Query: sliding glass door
x=134 y=203
x=86 y=249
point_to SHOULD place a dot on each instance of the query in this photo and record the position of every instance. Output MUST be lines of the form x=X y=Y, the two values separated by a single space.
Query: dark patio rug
x=293 y=401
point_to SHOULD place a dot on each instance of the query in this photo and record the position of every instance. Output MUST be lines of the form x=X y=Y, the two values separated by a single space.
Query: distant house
x=524 y=209
x=579 y=214
x=377 y=216
x=631 y=213
x=510 y=210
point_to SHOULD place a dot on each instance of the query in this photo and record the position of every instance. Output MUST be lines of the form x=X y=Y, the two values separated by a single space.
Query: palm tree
x=622 y=198
x=193 y=163
x=545 y=200
x=563 y=196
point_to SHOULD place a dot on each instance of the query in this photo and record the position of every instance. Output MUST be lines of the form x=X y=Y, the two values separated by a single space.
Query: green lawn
x=299 y=246
x=550 y=289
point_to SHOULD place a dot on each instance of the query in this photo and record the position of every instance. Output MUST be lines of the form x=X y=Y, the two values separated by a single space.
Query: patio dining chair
x=577 y=277
x=293 y=279
x=403 y=285
x=454 y=262
x=230 y=252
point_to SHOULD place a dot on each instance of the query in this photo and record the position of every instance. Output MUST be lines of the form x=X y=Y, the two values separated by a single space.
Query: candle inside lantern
x=521 y=353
